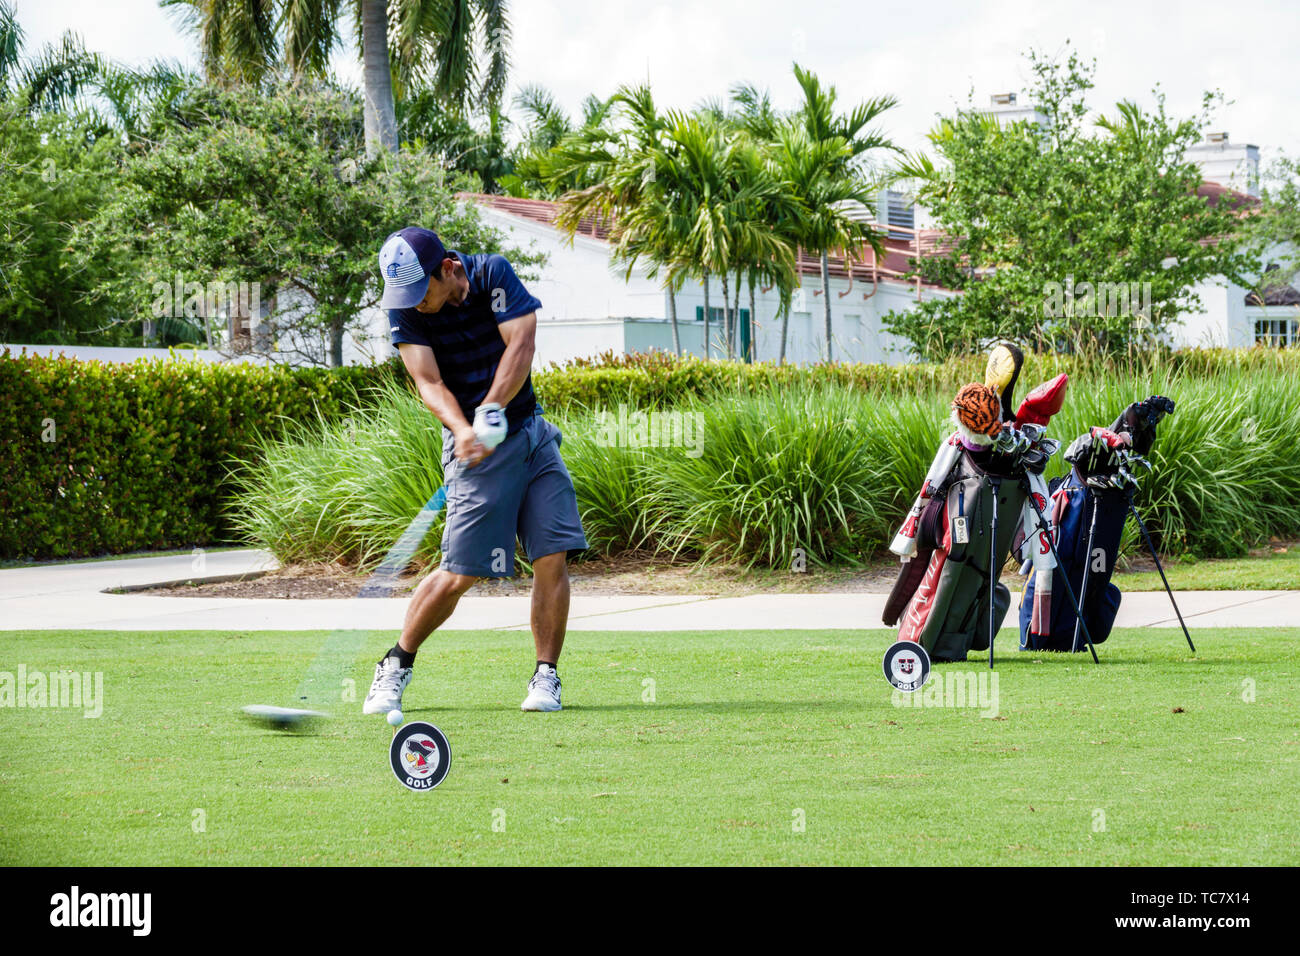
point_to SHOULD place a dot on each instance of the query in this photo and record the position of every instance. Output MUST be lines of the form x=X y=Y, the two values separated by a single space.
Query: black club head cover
x=1140 y=420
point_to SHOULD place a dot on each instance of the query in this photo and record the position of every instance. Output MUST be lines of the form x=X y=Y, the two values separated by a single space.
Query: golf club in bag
x=1089 y=508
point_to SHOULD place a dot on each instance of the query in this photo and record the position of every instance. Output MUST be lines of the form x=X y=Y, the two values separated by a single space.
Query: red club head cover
x=1112 y=439
x=1043 y=402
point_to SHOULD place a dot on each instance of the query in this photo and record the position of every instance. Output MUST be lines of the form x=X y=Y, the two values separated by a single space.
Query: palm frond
x=311 y=33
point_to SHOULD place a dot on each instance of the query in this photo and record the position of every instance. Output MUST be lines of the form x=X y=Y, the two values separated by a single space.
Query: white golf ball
x=395 y=718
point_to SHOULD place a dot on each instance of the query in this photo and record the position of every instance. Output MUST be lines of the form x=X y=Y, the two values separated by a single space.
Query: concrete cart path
x=71 y=596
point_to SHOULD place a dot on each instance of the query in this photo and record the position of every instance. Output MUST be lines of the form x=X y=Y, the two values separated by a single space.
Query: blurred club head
x=283 y=718
x=1004 y=443
x=1033 y=432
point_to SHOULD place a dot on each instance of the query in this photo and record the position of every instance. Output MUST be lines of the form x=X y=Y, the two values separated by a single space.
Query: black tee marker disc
x=420 y=756
x=907 y=665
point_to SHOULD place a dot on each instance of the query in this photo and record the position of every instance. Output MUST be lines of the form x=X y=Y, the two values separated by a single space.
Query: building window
x=1277 y=333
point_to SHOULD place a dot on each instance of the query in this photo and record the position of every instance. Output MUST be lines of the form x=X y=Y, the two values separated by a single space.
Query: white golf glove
x=489 y=425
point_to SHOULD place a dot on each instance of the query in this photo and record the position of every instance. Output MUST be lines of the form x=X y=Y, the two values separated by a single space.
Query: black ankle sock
x=404 y=658
x=550 y=664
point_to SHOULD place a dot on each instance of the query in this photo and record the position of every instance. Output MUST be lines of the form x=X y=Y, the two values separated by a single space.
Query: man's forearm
x=512 y=372
x=439 y=400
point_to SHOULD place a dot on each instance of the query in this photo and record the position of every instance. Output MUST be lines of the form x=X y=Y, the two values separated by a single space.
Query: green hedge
x=106 y=458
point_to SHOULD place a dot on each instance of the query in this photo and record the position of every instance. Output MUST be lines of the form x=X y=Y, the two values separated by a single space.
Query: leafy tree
x=272 y=190
x=64 y=115
x=1274 y=232
x=54 y=174
x=1056 y=230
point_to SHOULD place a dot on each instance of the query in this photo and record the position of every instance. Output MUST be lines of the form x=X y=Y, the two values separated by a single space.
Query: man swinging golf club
x=465 y=328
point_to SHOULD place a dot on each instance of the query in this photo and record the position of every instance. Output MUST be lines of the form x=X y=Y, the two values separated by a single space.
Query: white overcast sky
x=930 y=55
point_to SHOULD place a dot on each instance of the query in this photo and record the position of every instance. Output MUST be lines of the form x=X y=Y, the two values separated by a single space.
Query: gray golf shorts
x=520 y=491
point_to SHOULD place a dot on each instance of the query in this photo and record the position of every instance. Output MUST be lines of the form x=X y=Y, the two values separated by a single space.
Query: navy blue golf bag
x=1075 y=509
x=1089 y=508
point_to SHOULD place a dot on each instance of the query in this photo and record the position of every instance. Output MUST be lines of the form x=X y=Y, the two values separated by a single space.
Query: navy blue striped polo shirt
x=465 y=339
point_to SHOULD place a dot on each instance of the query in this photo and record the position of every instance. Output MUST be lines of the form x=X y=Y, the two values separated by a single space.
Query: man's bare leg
x=431 y=605
x=550 y=613
x=550 y=619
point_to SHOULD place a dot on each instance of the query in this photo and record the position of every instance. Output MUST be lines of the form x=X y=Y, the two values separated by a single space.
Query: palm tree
x=437 y=43
x=731 y=193
x=690 y=195
x=624 y=175
x=55 y=77
x=547 y=132
x=109 y=99
x=461 y=145
x=827 y=151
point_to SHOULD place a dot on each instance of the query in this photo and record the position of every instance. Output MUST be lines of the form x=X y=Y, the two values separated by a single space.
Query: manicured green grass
x=1270 y=571
x=1154 y=757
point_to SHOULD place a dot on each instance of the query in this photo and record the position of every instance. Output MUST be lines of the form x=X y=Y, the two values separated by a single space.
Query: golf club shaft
x=324 y=676
x=1087 y=566
x=1155 y=557
x=993 y=570
x=1044 y=527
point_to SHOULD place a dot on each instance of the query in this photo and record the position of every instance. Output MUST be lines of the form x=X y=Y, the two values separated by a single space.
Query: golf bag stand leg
x=1087 y=566
x=1046 y=529
x=1155 y=557
x=993 y=560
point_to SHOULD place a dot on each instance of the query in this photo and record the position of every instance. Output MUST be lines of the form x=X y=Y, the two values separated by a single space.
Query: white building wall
x=1209 y=327
x=1235 y=165
x=1224 y=320
x=856 y=329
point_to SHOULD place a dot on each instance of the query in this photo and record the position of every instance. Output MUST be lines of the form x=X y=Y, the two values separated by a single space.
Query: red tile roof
x=1214 y=193
x=538 y=210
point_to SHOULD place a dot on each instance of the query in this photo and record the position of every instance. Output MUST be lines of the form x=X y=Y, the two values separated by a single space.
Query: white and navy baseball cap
x=407 y=259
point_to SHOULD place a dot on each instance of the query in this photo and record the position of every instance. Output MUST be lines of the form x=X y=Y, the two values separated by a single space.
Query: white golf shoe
x=543 y=690
x=387 y=687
